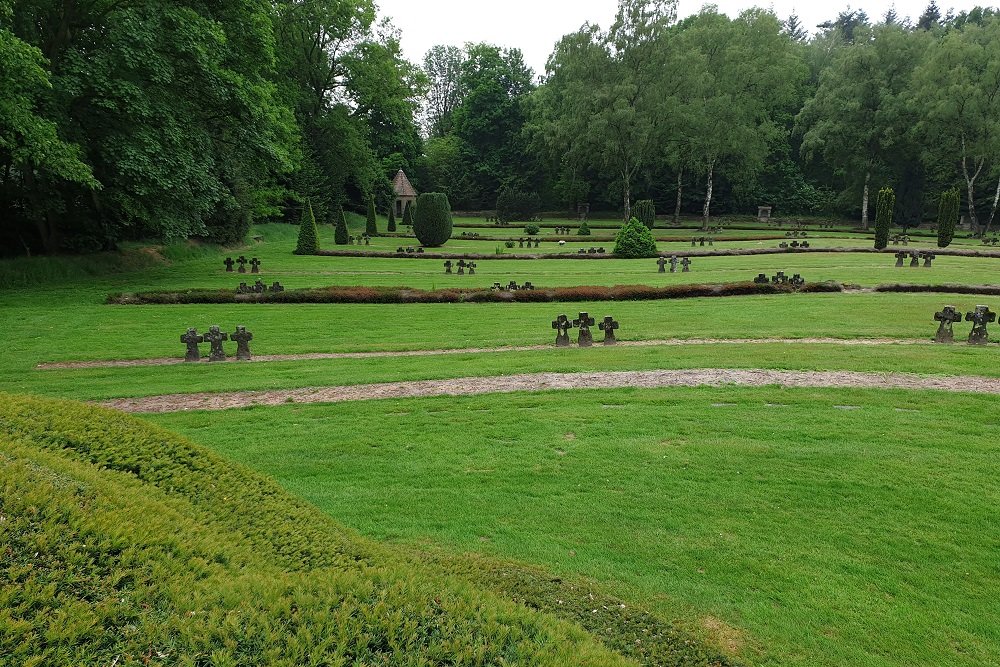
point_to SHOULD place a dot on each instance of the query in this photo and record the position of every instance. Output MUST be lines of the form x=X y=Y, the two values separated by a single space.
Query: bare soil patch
x=714 y=377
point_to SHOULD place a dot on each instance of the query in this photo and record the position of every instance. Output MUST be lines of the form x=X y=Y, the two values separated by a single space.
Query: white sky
x=534 y=26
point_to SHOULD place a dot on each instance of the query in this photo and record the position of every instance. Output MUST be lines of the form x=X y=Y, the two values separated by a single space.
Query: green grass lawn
x=826 y=536
x=817 y=535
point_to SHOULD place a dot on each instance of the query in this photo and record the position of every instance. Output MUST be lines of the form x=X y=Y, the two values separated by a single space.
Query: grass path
x=470 y=386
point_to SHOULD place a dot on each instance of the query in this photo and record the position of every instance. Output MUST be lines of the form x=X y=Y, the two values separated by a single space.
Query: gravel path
x=549 y=381
x=670 y=342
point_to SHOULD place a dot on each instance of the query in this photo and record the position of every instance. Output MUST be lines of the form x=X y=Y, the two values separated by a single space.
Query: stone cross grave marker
x=229 y=264
x=584 y=321
x=797 y=281
x=980 y=318
x=191 y=339
x=254 y=265
x=243 y=289
x=461 y=267
x=662 y=263
x=900 y=256
x=259 y=287
x=562 y=325
x=472 y=268
x=914 y=259
x=762 y=279
x=948 y=316
x=277 y=287
x=242 y=338
x=686 y=264
x=216 y=338
x=929 y=257
x=242 y=261
x=512 y=286
x=608 y=326
x=673 y=264
x=447 y=266
x=527 y=285
x=779 y=278
x=521 y=242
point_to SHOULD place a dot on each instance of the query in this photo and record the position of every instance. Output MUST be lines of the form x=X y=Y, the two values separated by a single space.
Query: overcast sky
x=534 y=26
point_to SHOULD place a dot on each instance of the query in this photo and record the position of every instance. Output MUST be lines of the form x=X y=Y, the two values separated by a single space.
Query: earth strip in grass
x=470 y=386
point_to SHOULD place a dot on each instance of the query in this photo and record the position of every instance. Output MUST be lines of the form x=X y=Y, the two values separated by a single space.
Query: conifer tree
x=308 y=234
x=371 y=226
x=392 y=220
x=883 y=217
x=948 y=217
x=340 y=234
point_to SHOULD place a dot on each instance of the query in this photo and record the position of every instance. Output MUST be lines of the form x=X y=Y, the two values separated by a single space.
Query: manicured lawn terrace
x=847 y=527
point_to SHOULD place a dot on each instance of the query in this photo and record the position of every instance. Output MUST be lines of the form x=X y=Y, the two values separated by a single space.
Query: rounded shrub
x=583 y=229
x=531 y=230
x=308 y=234
x=432 y=220
x=635 y=240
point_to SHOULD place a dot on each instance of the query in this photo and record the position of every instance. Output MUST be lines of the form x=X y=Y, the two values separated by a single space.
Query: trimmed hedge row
x=125 y=543
x=411 y=295
x=989 y=290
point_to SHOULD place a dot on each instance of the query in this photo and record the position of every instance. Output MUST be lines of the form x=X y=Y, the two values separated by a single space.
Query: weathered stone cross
x=562 y=325
x=216 y=338
x=192 y=338
x=608 y=326
x=980 y=317
x=584 y=321
x=947 y=317
x=242 y=338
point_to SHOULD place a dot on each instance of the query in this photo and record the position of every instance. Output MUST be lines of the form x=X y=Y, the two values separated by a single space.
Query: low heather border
x=730 y=252
x=409 y=295
x=986 y=290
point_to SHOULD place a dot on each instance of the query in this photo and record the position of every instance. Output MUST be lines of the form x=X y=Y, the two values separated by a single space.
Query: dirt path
x=670 y=342
x=549 y=381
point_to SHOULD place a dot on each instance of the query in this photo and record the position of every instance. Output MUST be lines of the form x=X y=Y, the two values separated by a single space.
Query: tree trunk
x=680 y=189
x=993 y=212
x=627 y=194
x=708 y=194
x=970 y=182
x=864 y=201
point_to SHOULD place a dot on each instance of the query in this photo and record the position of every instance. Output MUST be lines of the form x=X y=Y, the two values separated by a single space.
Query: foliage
x=432 y=222
x=531 y=230
x=583 y=229
x=371 y=226
x=883 y=216
x=517 y=205
x=645 y=212
x=408 y=215
x=308 y=242
x=443 y=67
x=391 y=227
x=948 y=212
x=634 y=239
x=341 y=235
x=110 y=520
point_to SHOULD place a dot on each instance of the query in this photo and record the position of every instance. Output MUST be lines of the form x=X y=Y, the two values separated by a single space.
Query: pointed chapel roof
x=401 y=184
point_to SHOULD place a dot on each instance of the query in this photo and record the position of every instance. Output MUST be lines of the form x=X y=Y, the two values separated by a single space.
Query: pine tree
x=392 y=220
x=408 y=215
x=883 y=217
x=371 y=227
x=795 y=30
x=583 y=229
x=308 y=234
x=930 y=18
x=340 y=234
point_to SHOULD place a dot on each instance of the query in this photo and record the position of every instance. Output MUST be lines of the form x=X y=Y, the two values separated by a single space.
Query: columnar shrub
x=371 y=228
x=635 y=240
x=392 y=219
x=645 y=211
x=308 y=234
x=883 y=217
x=583 y=229
x=408 y=215
x=432 y=219
x=340 y=235
x=948 y=217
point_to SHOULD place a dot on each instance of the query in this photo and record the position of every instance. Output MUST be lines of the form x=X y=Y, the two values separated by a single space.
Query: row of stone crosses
x=784 y=245
x=779 y=279
x=462 y=266
x=512 y=286
x=685 y=264
x=583 y=322
x=915 y=258
x=409 y=250
x=260 y=288
x=357 y=240
x=521 y=242
x=242 y=261
x=980 y=318
x=700 y=240
x=216 y=337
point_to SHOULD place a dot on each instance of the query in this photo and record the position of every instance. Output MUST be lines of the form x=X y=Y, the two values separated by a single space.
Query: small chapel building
x=405 y=194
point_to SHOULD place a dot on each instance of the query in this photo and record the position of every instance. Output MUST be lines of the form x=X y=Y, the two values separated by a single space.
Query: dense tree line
x=134 y=118
x=712 y=114
x=131 y=118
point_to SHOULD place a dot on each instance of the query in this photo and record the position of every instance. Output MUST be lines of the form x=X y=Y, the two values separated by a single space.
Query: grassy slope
x=127 y=545
x=829 y=536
